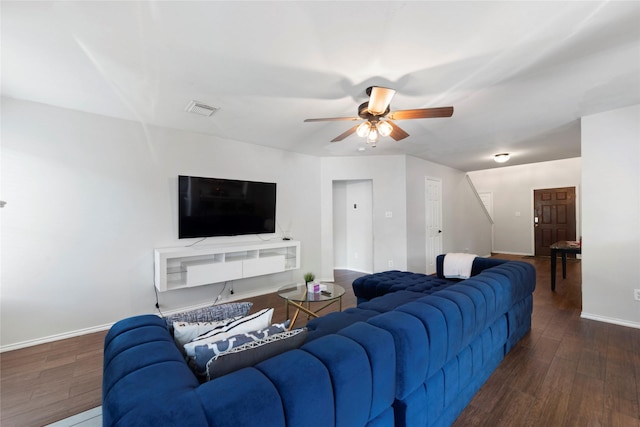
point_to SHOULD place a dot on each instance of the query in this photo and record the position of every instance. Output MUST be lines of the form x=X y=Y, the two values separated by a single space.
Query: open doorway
x=554 y=217
x=353 y=225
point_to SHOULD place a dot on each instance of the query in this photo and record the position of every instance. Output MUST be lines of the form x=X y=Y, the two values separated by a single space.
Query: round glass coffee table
x=298 y=297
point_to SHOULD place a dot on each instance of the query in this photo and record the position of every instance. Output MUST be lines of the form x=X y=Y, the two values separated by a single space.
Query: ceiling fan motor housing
x=363 y=112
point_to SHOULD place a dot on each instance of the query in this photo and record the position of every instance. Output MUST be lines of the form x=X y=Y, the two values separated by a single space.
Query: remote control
x=326 y=293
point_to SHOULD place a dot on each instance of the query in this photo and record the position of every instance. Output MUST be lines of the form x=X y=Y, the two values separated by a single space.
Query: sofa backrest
x=343 y=379
x=452 y=318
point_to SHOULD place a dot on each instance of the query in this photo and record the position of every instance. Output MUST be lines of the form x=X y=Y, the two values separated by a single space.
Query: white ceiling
x=519 y=74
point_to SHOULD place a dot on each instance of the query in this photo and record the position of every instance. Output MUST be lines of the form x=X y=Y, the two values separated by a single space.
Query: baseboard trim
x=90 y=417
x=612 y=320
x=357 y=270
x=56 y=337
x=497 y=253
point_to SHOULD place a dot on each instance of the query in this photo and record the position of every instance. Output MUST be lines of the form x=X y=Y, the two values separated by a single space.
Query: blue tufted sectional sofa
x=413 y=353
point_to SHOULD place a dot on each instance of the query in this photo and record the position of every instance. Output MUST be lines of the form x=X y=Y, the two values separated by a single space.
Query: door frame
x=371 y=249
x=429 y=261
x=532 y=209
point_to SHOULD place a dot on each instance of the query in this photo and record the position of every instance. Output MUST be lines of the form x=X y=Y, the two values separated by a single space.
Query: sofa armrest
x=479 y=265
x=145 y=377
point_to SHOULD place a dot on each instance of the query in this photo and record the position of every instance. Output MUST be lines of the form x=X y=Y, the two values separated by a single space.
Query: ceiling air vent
x=196 y=107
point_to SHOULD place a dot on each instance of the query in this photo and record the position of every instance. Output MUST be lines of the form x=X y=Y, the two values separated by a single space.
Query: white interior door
x=433 y=218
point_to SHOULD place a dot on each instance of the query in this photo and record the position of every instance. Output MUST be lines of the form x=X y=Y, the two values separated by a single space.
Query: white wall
x=512 y=188
x=611 y=216
x=399 y=188
x=90 y=197
x=388 y=185
x=464 y=223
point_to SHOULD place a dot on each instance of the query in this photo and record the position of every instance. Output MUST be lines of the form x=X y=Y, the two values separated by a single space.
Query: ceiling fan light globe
x=363 y=129
x=373 y=135
x=384 y=128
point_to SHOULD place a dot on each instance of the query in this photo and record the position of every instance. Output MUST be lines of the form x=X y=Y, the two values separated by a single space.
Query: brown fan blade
x=379 y=100
x=333 y=119
x=397 y=133
x=343 y=135
x=421 y=113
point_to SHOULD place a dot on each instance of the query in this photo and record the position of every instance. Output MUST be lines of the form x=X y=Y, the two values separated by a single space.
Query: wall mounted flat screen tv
x=211 y=207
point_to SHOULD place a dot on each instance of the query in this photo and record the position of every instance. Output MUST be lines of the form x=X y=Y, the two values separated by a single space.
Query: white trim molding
x=612 y=320
x=57 y=337
x=498 y=252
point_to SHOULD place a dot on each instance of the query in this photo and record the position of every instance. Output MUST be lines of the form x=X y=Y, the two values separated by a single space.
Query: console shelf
x=188 y=266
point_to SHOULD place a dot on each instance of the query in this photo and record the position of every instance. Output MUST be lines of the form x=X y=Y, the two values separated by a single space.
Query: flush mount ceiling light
x=501 y=158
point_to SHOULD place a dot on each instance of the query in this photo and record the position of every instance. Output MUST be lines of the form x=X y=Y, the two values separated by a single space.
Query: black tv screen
x=211 y=207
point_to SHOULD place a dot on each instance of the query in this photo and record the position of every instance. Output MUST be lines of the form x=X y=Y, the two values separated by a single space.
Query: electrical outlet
x=390 y=263
x=636 y=294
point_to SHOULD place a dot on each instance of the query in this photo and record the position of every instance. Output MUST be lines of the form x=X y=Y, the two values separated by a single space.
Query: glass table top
x=299 y=293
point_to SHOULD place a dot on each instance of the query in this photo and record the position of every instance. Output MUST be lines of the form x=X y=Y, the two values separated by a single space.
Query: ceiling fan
x=378 y=108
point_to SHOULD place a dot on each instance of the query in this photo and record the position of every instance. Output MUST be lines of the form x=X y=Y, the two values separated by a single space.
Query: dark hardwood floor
x=567 y=371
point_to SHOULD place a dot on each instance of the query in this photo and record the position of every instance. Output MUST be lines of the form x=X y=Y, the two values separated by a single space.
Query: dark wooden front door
x=555 y=217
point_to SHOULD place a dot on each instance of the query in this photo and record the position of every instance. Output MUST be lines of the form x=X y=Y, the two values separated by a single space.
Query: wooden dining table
x=563 y=247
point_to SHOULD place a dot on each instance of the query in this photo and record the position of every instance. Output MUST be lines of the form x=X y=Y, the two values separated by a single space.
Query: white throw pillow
x=184 y=332
x=252 y=322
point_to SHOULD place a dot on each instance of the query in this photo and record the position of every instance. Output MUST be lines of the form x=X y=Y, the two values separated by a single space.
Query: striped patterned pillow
x=252 y=322
x=211 y=314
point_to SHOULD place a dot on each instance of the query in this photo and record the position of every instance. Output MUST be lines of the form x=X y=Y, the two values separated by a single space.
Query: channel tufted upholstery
x=413 y=353
x=375 y=285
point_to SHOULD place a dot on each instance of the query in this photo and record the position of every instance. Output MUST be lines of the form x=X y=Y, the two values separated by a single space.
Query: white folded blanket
x=458 y=265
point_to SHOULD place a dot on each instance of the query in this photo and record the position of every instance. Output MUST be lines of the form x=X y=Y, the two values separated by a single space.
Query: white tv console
x=188 y=266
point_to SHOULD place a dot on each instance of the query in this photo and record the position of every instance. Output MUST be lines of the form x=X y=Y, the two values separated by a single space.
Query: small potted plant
x=312 y=286
x=309 y=277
